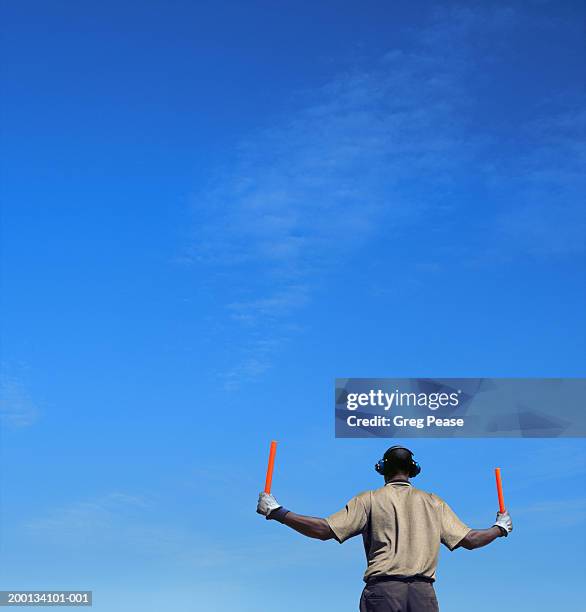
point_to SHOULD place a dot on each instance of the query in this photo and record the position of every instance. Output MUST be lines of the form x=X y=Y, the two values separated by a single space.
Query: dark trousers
x=399 y=596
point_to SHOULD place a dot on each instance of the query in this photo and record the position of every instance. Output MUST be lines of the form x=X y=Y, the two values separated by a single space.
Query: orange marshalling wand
x=269 y=480
x=499 y=489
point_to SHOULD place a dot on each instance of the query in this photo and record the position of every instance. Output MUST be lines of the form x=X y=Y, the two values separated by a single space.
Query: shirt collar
x=399 y=482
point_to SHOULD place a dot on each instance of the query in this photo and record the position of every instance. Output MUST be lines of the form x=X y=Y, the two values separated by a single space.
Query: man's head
x=397 y=462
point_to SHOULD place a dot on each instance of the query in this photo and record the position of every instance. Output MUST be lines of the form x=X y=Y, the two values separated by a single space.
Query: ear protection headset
x=382 y=467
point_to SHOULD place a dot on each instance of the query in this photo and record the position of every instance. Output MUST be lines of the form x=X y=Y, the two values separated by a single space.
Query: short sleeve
x=349 y=521
x=453 y=530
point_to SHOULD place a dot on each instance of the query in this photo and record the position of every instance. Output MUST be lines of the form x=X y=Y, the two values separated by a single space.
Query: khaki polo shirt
x=401 y=527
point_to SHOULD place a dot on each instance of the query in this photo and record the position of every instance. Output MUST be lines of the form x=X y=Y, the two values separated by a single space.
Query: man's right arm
x=477 y=538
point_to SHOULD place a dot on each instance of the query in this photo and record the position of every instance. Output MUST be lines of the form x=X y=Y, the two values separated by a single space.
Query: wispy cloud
x=17 y=408
x=278 y=304
x=549 y=216
x=315 y=185
x=133 y=527
x=89 y=515
x=111 y=521
x=377 y=147
x=567 y=512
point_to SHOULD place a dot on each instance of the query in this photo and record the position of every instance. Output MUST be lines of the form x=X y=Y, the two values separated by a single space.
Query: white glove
x=266 y=503
x=504 y=520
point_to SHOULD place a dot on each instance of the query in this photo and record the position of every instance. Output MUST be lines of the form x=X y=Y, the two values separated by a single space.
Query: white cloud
x=549 y=216
x=17 y=409
x=114 y=521
x=288 y=299
x=566 y=512
x=88 y=516
x=373 y=149
x=315 y=185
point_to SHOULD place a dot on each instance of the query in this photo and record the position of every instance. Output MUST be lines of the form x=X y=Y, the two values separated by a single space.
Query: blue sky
x=210 y=211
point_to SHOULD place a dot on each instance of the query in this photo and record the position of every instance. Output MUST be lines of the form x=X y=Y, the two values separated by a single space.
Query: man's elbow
x=469 y=542
x=325 y=532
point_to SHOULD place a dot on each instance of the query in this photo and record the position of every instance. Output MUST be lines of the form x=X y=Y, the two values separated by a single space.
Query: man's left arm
x=477 y=538
x=455 y=534
x=309 y=526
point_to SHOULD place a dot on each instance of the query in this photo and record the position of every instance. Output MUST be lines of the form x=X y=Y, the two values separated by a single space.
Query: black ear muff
x=415 y=469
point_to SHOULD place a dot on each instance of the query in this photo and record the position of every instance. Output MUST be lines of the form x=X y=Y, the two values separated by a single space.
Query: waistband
x=376 y=579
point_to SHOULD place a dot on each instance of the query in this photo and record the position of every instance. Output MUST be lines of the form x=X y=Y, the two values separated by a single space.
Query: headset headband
x=398 y=447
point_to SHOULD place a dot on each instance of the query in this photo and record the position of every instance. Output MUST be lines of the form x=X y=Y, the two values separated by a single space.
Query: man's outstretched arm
x=477 y=538
x=309 y=526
